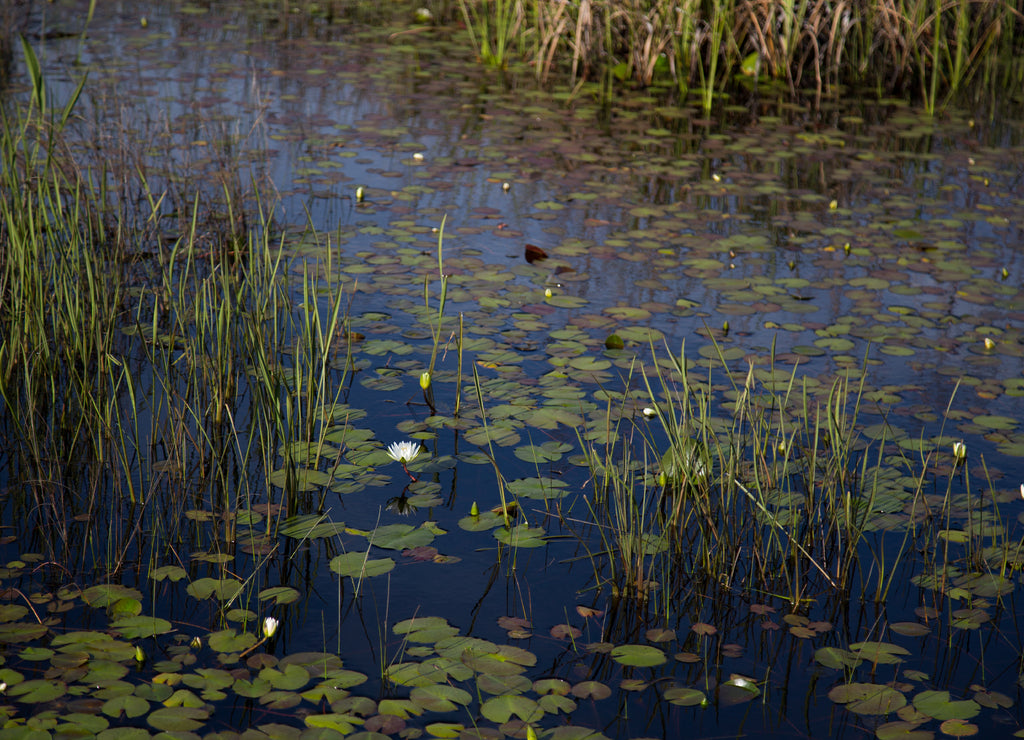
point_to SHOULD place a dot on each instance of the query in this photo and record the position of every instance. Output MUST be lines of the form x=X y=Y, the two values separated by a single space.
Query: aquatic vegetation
x=746 y=517
x=806 y=46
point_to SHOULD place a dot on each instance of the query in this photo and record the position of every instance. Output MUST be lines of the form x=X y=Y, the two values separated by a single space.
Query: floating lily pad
x=521 y=535
x=938 y=705
x=358 y=565
x=868 y=698
x=685 y=697
x=638 y=655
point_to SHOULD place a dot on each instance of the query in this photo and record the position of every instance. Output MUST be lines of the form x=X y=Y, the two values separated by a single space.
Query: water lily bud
x=725 y=327
x=424 y=380
x=506 y=187
x=650 y=412
x=1022 y=490
x=959 y=451
x=662 y=480
x=547 y=292
x=140 y=655
x=989 y=343
x=269 y=627
x=781 y=448
x=834 y=204
x=144 y=22
x=359 y=194
x=474 y=510
x=196 y=643
x=1005 y=273
x=846 y=247
x=3 y=687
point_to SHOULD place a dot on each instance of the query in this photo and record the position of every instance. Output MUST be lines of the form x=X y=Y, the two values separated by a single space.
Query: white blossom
x=403 y=452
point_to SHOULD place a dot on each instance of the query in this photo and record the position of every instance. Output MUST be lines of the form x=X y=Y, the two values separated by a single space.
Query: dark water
x=864 y=230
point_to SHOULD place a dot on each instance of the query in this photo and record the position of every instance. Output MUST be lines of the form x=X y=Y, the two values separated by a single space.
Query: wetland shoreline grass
x=934 y=51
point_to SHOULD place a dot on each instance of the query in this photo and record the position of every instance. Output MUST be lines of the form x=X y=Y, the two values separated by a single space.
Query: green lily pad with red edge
x=638 y=655
x=868 y=698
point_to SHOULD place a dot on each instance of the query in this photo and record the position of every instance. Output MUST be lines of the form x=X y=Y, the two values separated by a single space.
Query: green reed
x=494 y=27
x=808 y=46
x=135 y=392
x=764 y=485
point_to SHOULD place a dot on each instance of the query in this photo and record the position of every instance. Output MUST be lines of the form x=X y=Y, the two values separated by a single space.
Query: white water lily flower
x=650 y=412
x=959 y=451
x=269 y=627
x=403 y=452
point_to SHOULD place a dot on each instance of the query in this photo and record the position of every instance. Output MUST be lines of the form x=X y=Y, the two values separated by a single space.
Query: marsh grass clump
x=764 y=484
x=934 y=50
x=135 y=390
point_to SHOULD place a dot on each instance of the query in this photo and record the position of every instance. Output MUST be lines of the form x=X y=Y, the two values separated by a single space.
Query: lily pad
x=868 y=698
x=359 y=565
x=638 y=655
